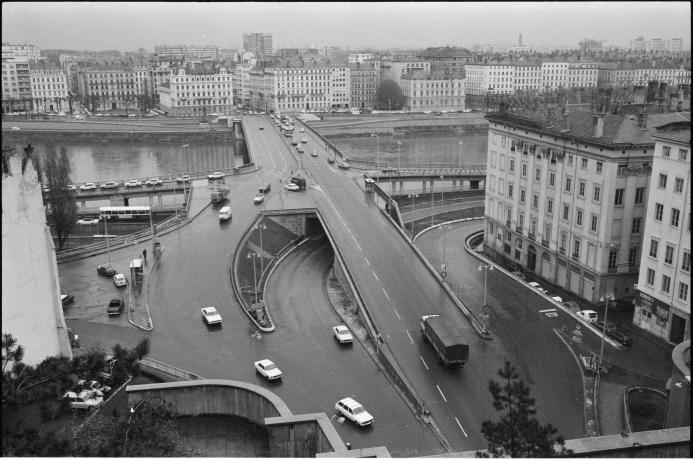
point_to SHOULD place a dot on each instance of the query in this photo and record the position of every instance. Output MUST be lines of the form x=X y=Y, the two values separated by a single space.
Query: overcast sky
x=129 y=26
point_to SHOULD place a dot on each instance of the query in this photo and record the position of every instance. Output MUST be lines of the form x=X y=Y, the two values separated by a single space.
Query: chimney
x=566 y=126
x=598 y=125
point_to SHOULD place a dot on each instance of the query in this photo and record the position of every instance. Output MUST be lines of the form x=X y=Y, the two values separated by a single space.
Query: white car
x=211 y=315
x=314 y=153
x=215 y=175
x=182 y=179
x=368 y=180
x=342 y=334
x=351 y=409
x=92 y=385
x=588 y=315
x=87 y=221
x=110 y=185
x=304 y=140
x=16 y=128
x=133 y=183
x=259 y=198
x=88 y=186
x=83 y=400
x=343 y=165
x=302 y=130
x=291 y=187
x=154 y=181
x=268 y=369
x=119 y=280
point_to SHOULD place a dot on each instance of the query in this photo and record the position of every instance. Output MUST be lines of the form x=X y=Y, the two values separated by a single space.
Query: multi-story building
x=497 y=78
x=259 y=44
x=359 y=58
x=113 y=88
x=626 y=74
x=658 y=45
x=31 y=53
x=554 y=75
x=675 y=45
x=590 y=46
x=197 y=94
x=582 y=75
x=16 y=85
x=638 y=44
x=450 y=61
x=527 y=76
x=663 y=305
x=49 y=89
x=364 y=83
x=432 y=91
x=309 y=88
x=566 y=196
x=187 y=53
x=393 y=70
x=31 y=305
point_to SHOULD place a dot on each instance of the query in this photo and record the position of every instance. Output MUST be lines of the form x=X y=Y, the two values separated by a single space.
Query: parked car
x=291 y=187
x=211 y=315
x=119 y=280
x=610 y=327
x=215 y=175
x=110 y=185
x=93 y=385
x=342 y=334
x=390 y=170
x=154 y=181
x=92 y=221
x=84 y=400
x=106 y=270
x=304 y=140
x=620 y=337
x=343 y=165
x=87 y=186
x=66 y=298
x=262 y=128
x=314 y=153
x=294 y=142
x=572 y=306
x=588 y=315
x=133 y=183
x=368 y=180
x=183 y=179
x=268 y=369
x=115 y=307
x=518 y=274
x=259 y=198
x=354 y=411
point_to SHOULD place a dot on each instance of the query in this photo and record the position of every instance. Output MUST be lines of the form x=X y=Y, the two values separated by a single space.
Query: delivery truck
x=448 y=342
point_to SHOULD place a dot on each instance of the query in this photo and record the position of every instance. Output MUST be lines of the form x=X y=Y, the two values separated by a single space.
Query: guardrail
x=168 y=369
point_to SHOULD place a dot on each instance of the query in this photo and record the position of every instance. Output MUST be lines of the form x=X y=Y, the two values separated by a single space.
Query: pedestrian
x=144 y=253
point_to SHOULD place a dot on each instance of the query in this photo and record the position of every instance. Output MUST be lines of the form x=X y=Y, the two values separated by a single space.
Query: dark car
x=115 y=307
x=301 y=182
x=620 y=337
x=66 y=298
x=106 y=270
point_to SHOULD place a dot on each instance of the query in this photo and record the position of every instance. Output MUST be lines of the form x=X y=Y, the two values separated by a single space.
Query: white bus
x=124 y=212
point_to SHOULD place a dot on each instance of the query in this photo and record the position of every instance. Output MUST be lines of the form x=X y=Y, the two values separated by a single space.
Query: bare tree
x=62 y=200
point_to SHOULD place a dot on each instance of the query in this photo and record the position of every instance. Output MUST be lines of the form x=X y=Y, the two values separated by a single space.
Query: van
x=224 y=213
x=588 y=315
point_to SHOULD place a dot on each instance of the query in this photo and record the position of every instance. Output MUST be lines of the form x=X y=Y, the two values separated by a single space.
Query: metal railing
x=169 y=369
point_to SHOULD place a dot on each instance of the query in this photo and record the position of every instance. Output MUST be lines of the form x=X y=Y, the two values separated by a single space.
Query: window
x=650 y=277
x=669 y=254
x=566 y=211
x=618 y=198
x=675 y=213
x=512 y=164
x=683 y=291
x=568 y=184
x=622 y=170
x=552 y=179
x=549 y=206
x=570 y=160
x=659 y=212
x=581 y=189
x=523 y=195
x=578 y=218
x=683 y=154
x=613 y=253
x=583 y=163
x=576 y=249
x=637 y=222
x=686 y=261
x=678 y=185
x=662 y=181
x=633 y=259
x=524 y=169
x=597 y=193
x=640 y=195
x=666 y=151
x=535 y=201
x=510 y=190
x=594 y=225
x=537 y=175
x=564 y=238
x=654 y=244
x=666 y=283
x=599 y=167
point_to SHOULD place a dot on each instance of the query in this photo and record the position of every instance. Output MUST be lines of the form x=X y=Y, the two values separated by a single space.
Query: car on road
x=83 y=400
x=66 y=298
x=106 y=270
x=110 y=185
x=390 y=170
x=93 y=221
x=537 y=286
x=78 y=117
x=291 y=187
x=302 y=130
x=557 y=298
x=294 y=142
x=183 y=179
x=120 y=280
x=259 y=198
x=314 y=153
x=211 y=315
x=588 y=315
x=215 y=175
x=620 y=337
x=427 y=112
x=610 y=327
x=115 y=307
x=330 y=159
x=133 y=183
x=368 y=180
x=343 y=165
x=72 y=188
x=268 y=369
x=354 y=411
x=572 y=306
x=342 y=334
x=88 y=186
x=265 y=188
x=262 y=128
x=304 y=140
x=16 y=128
x=154 y=181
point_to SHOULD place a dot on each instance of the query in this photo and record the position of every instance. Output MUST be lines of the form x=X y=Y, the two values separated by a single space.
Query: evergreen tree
x=62 y=200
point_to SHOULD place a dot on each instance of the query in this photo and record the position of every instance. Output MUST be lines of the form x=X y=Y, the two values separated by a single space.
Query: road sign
x=443 y=274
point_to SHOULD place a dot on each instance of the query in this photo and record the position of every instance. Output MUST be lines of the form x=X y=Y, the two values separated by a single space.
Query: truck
x=448 y=342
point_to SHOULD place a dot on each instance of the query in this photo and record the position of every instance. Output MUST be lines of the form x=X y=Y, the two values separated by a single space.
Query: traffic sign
x=443 y=274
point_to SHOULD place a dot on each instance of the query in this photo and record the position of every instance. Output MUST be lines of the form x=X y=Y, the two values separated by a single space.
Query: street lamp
x=389 y=106
x=133 y=411
x=445 y=227
x=485 y=268
x=105 y=229
x=377 y=155
x=459 y=158
x=261 y=227
x=606 y=299
x=399 y=155
x=412 y=208
x=253 y=255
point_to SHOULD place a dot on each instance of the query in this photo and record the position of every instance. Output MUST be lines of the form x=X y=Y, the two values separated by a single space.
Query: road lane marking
x=441 y=393
x=359 y=246
x=366 y=259
x=388 y=297
x=549 y=309
x=424 y=362
x=460 y=425
x=376 y=275
x=410 y=339
x=398 y=317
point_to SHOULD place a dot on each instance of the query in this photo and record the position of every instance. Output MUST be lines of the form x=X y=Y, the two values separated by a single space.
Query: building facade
x=582 y=75
x=449 y=61
x=31 y=53
x=259 y=44
x=495 y=78
x=310 y=88
x=113 y=88
x=16 y=85
x=197 y=94
x=424 y=91
x=393 y=70
x=49 y=90
x=359 y=58
x=364 y=83
x=663 y=305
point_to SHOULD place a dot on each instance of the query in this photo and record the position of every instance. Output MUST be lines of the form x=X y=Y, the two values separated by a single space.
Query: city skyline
x=356 y=25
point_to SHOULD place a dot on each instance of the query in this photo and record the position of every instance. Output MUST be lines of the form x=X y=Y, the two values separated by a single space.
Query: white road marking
x=424 y=362
x=544 y=311
x=460 y=425
x=366 y=259
x=398 y=317
x=441 y=393
x=384 y=291
x=410 y=339
x=359 y=246
x=376 y=275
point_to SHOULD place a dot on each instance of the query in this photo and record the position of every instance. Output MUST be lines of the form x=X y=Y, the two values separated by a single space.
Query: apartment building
x=663 y=306
x=364 y=83
x=582 y=75
x=497 y=78
x=554 y=75
x=393 y=70
x=566 y=196
x=627 y=74
x=31 y=53
x=527 y=77
x=359 y=58
x=259 y=44
x=197 y=94
x=49 y=89
x=16 y=85
x=432 y=91
x=450 y=61
x=310 y=88
x=113 y=88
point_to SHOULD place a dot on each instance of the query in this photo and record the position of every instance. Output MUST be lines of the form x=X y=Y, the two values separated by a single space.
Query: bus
x=124 y=212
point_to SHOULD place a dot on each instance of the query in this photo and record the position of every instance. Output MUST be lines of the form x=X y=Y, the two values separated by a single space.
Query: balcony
x=545 y=242
x=576 y=257
x=561 y=251
x=518 y=229
x=507 y=223
x=530 y=236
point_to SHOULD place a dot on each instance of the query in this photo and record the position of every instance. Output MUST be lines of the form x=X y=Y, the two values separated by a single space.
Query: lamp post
x=412 y=196
x=253 y=255
x=445 y=228
x=399 y=155
x=133 y=411
x=389 y=106
x=261 y=227
x=459 y=158
x=377 y=154
x=606 y=299
x=485 y=268
x=105 y=229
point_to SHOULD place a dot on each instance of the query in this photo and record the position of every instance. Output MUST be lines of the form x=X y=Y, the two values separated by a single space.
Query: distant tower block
x=520 y=44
